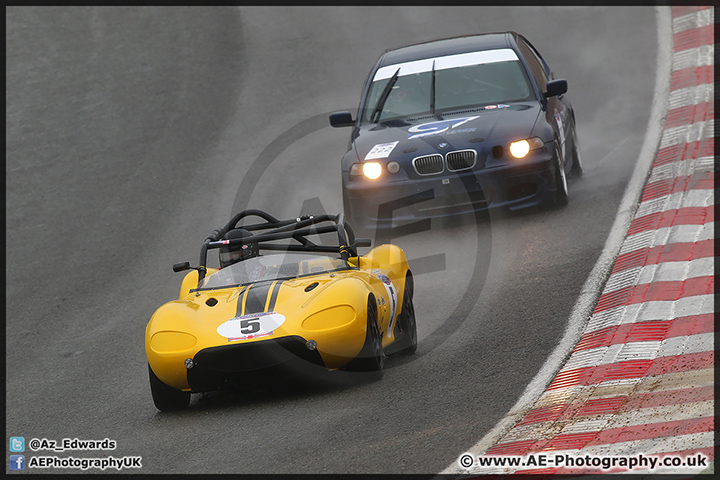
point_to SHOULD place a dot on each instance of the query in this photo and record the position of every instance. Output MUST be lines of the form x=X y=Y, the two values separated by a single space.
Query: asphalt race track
x=133 y=132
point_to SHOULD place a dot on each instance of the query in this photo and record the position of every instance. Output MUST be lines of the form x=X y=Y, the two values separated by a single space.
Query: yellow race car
x=282 y=296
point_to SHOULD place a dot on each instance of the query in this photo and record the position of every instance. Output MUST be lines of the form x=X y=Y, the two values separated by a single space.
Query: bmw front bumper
x=373 y=205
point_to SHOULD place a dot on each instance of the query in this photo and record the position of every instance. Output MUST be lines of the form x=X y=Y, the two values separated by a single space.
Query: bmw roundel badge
x=443 y=145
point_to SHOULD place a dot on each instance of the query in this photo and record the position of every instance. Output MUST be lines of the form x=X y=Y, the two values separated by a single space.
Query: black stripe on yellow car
x=273 y=298
x=240 y=302
x=256 y=297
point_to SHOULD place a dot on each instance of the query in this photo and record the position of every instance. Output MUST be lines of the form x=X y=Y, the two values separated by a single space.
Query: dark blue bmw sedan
x=454 y=126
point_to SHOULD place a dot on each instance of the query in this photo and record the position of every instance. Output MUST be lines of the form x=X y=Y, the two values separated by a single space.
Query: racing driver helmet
x=230 y=254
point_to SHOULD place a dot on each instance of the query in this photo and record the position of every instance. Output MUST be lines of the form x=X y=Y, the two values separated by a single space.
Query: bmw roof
x=447 y=46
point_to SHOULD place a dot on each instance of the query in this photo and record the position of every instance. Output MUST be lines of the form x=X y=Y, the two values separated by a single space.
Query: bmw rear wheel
x=165 y=397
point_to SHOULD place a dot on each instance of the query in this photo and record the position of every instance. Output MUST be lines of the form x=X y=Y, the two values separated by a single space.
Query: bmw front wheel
x=561 y=187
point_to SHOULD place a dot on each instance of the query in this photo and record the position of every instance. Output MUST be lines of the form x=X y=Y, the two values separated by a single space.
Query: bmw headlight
x=521 y=148
x=356 y=169
x=371 y=170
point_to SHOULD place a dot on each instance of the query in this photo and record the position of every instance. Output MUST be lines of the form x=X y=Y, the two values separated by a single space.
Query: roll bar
x=296 y=230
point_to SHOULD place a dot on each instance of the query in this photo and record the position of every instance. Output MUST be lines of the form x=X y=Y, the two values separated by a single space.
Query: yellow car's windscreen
x=271 y=267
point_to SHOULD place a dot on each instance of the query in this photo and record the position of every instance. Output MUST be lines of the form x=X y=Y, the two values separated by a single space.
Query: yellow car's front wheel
x=164 y=396
x=406 y=320
x=372 y=357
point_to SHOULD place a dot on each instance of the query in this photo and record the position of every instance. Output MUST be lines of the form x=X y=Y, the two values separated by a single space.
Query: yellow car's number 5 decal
x=251 y=326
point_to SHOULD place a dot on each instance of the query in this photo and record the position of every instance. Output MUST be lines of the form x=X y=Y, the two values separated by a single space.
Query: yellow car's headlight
x=521 y=148
x=330 y=318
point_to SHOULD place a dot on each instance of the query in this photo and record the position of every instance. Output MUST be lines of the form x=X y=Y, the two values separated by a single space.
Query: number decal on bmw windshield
x=251 y=326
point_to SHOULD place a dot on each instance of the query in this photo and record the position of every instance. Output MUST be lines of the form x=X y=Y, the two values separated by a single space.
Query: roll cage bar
x=272 y=229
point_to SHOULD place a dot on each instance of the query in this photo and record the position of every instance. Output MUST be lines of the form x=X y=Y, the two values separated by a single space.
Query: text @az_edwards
x=70 y=444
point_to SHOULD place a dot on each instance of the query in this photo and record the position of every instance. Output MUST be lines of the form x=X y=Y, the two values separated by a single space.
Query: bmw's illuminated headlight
x=521 y=148
x=372 y=170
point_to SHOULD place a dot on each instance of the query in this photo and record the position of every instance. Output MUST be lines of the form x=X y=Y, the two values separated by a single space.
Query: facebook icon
x=17 y=462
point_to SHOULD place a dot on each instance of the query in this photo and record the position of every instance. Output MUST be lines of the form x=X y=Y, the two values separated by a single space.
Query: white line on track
x=688 y=133
x=651 y=311
x=654 y=384
x=675 y=201
x=622 y=352
x=690 y=95
x=682 y=168
x=694 y=57
x=669 y=235
x=645 y=447
x=693 y=20
x=597 y=423
x=676 y=271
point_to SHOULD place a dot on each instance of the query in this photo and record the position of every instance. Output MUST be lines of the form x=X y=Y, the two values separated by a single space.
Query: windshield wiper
x=432 y=91
x=384 y=96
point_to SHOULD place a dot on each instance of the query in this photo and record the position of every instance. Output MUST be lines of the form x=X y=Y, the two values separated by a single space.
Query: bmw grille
x=461 y=160
x=429 y=164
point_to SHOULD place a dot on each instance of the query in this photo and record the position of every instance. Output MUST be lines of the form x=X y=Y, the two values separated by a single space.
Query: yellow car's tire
x=165 y=397
x=406 y=321
x=371 y=357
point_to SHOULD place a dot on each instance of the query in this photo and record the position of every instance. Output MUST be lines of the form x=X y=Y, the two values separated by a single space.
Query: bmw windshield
x=271 y=267
x=444 y=84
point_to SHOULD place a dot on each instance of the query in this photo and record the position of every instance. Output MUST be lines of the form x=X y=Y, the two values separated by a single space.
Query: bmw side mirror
x=181 y=267
x=341 y=119
x=556 y=87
